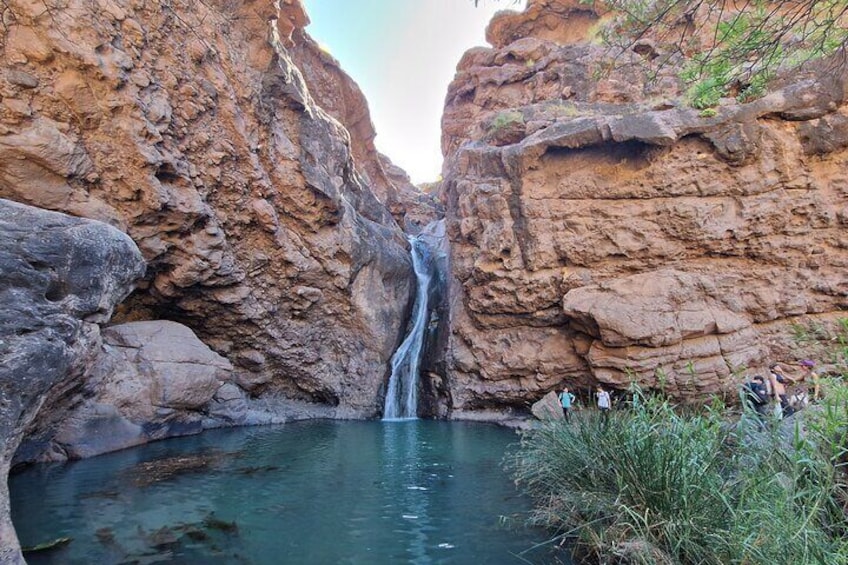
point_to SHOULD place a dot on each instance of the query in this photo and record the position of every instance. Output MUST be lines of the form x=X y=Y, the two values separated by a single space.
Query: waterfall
x=402 y=394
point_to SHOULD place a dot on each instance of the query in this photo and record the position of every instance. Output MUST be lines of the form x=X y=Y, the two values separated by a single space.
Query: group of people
x=758 y=392
x=602 y=398
x=770 y=395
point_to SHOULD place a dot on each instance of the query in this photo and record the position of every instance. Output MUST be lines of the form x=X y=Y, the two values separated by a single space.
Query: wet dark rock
x=255 y=470
x=105 y=536
x=48 y=546
x=212 y=522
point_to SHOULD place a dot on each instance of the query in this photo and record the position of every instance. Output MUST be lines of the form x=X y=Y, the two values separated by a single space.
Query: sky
x=403 y=54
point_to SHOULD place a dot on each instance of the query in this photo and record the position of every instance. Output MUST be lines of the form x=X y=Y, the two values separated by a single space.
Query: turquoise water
x=310 y=492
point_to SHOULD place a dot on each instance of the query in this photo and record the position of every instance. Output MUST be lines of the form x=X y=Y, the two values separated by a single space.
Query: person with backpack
x=755 y=395
x=566 y=400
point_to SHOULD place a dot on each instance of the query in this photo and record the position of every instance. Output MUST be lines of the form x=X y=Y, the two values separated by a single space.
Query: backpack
x=755 y=392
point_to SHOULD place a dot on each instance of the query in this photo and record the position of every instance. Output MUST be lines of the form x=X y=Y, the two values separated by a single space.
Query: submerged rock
x=59 y=278
x=149 y=472
x=48 y=545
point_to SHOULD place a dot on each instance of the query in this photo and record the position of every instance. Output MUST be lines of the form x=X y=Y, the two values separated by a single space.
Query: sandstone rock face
x=189 y=126
x=59 y=278
x=601 y=231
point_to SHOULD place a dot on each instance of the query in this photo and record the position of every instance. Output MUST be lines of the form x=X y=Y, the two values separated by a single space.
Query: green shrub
x=505 y=119
x=657 y=485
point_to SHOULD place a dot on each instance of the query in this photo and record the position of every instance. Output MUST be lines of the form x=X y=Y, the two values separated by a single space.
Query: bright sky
x=403 y=55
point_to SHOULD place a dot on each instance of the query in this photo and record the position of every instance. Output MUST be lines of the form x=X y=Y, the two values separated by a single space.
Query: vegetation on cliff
x=655 y=485
x=727 y=47
x=723 y=47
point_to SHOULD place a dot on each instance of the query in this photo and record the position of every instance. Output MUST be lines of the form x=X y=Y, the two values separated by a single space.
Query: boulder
x=151 y=380
x=548 y=407
x=59 y=278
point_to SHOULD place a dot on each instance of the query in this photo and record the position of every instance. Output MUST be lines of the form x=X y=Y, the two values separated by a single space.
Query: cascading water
x=402 y=394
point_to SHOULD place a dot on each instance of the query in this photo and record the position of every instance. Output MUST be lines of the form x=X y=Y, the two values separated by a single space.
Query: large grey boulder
x=548 y=407
x=59 y=277
x=151 y=381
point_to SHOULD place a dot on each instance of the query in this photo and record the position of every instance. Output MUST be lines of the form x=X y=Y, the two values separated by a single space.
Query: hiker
x=755 y=395
x=799 y=400
x=778 y=389
x=808 y=373
x=603 y=398
x=566 y=399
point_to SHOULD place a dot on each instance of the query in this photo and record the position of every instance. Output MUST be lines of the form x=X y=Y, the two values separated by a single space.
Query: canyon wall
x=189 y=126
x=339 y=96
x=602 y=231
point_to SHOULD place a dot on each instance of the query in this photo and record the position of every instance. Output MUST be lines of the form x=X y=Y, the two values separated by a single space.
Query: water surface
x=310 y=492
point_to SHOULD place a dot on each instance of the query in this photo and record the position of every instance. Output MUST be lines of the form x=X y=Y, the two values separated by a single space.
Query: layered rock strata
x=189 y=126
x=603 y=231
x=60 y=277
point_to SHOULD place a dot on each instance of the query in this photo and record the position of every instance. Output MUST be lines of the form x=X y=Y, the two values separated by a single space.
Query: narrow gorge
x=197 y=230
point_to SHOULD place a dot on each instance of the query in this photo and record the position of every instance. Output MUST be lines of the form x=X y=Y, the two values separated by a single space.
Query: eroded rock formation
x=602 y=231
x=59 y=278
x=189 y=126
x=149 y=380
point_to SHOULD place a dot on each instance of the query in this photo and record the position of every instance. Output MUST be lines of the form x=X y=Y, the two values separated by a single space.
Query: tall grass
x=658 y=485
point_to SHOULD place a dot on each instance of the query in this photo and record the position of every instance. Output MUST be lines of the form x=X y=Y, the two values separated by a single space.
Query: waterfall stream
x=402 y=394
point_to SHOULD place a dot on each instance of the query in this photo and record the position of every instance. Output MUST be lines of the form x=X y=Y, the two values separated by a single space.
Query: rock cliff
x=190 y=126
x=602 y=231
x=60 y=277
x=339 y=96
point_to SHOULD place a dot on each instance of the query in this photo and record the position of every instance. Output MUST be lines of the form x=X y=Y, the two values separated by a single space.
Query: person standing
x=807 y=366
x=778 y=386
x=603 y=399
x=760 y=395
x=566 y=399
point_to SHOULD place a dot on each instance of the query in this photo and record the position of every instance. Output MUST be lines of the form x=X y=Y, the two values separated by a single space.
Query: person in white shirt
x=603 y=398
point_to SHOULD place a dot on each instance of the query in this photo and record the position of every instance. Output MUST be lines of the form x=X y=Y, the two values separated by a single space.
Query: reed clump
x=656 y=484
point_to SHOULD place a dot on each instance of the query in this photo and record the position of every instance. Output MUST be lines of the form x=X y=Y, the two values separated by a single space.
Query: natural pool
x=309 y=492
